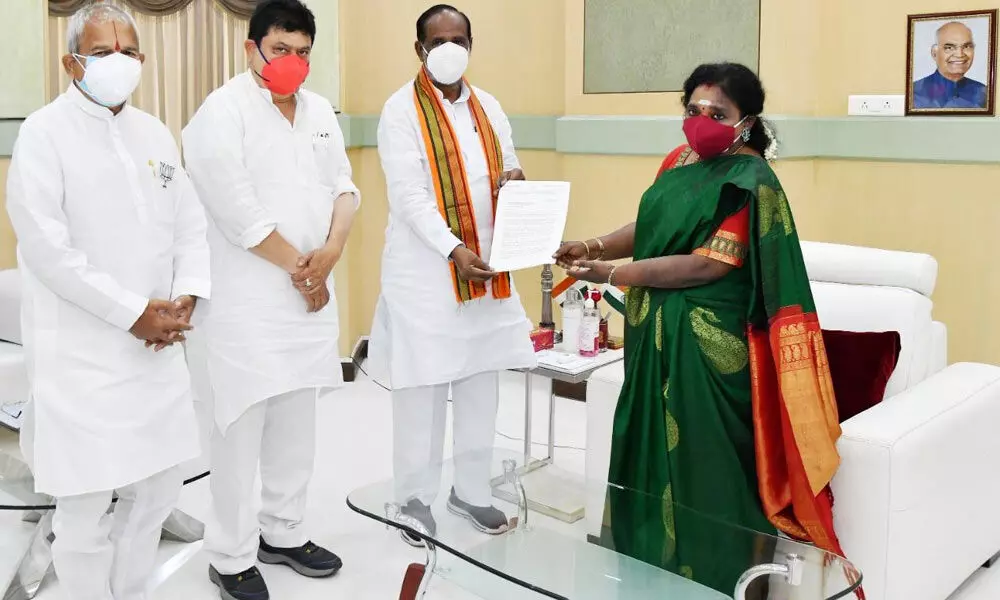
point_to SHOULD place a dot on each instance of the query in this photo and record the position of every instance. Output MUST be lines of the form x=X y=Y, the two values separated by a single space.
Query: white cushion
x=871 y=308
x=837 y=263
x=10 y=306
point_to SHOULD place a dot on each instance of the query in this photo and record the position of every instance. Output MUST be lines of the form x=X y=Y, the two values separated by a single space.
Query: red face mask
x=708 y=137
x=284 y=75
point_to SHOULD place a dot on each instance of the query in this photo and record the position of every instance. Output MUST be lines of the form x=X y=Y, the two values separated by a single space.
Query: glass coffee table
x=544 y=557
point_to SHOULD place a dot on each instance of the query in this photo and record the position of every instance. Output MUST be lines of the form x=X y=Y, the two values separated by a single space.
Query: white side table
x=549 y=495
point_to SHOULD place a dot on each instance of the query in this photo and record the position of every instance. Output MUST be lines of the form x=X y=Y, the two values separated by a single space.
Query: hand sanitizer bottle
x=590 y=330
x=572 y=315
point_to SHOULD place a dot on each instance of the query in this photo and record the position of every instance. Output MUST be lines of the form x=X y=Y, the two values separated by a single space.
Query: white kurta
x=255 y=172
x=422 y=335
x=105 y=219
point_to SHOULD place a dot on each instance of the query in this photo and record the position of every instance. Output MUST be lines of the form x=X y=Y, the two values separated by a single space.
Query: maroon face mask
x=708 y=137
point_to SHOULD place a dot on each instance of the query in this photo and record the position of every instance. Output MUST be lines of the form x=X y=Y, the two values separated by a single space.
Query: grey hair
x=98 y=12
x=937 y=34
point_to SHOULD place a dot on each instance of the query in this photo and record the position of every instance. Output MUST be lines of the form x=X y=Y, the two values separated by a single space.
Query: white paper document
x=531 y=217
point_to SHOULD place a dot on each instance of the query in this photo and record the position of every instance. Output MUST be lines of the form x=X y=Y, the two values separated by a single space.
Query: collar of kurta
x=462 y=97
x=265 y=93
x=77 y=97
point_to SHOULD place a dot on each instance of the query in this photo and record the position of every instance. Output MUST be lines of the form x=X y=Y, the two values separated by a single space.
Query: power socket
x=876 y=106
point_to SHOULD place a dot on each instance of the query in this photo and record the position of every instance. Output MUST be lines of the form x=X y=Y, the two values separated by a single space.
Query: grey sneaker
x=421 y=512
x=248 y=585
x=484 y=518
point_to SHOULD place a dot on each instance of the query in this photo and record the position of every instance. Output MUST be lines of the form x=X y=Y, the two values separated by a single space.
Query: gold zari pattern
x=659 y=329
x=727 y=352
x=673 y=430
x=669 y=525
x=773 y=208
x=724 y=247
x=636 y=305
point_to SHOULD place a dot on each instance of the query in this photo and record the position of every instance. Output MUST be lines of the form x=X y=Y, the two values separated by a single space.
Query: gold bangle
x=587 y=247
x=600 y=244
x=611 y=275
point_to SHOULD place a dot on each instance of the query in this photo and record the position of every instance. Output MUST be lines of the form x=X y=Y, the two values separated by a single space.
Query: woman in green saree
x=727 y=407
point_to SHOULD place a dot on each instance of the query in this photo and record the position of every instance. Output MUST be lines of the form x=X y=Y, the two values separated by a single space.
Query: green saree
x=717 y=376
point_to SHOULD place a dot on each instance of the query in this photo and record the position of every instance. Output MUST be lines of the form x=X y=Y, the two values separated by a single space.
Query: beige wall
x=804 y=47
x=525 y=71
x=947 y=210
x=811 y=60
x=23 y=89
x=878 y=64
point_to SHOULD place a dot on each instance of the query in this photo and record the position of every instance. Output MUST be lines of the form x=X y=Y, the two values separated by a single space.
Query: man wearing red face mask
x=269 y=163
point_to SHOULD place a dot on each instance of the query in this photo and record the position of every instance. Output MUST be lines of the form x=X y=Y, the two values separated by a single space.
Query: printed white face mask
x=109 y=80
x=447 y=63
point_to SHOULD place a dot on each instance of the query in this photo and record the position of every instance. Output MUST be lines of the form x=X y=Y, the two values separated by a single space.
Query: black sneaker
x=484 y=518
x=309 y=559
x=421 y=512
x=248 y=585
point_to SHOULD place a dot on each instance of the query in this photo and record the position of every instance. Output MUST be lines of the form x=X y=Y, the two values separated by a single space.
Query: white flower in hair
x=771 y=152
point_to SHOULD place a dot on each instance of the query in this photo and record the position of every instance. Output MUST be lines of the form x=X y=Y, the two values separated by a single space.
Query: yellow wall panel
x=523 y=70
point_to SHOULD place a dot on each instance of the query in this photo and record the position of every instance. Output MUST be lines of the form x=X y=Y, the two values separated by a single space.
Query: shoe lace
x=310 y=547
x=248 y=575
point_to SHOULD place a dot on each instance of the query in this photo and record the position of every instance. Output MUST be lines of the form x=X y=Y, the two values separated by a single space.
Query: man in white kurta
x=272 y=172
x=423 y=341
x=111 y=240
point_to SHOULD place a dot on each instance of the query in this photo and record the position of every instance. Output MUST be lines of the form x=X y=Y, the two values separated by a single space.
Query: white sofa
x=917 y=491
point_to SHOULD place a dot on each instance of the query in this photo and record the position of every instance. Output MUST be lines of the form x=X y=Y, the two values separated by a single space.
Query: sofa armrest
x=916 y=491
x=939 y=347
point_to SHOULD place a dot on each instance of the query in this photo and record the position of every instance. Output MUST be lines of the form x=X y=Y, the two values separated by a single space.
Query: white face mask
x=111 y=79
x=447 y=63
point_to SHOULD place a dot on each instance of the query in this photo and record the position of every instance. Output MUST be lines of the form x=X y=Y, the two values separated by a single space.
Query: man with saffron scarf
x=444 y=319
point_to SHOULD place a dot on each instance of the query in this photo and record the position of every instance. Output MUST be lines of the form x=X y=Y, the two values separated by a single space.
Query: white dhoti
x=418 y=423
x=101 y=556
x=279 y=434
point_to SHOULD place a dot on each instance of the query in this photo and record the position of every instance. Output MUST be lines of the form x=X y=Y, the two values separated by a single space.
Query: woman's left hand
x=315 y=268
x=591 y=270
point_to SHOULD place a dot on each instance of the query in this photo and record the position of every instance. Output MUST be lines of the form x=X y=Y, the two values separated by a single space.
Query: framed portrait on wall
x=950 y=63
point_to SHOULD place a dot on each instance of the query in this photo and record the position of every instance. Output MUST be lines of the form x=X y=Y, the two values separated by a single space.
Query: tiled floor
x=354 y=449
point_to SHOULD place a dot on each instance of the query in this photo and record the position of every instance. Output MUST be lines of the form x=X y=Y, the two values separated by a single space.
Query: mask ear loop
x=265 y=61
